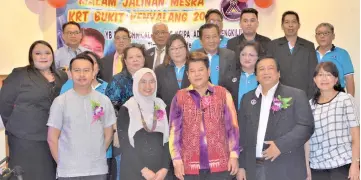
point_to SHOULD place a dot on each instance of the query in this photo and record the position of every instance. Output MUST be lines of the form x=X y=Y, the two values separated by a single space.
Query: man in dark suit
x=275 y=122
x=113 y=63
x=155 y=55
x=296 y=56
x=249 y=24
x=221 y=60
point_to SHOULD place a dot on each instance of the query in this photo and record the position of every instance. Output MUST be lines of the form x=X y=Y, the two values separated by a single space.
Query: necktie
x=157 y=59
x=119 y=66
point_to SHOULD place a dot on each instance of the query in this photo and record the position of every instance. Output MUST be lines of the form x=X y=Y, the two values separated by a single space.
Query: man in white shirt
x=155 y=55
x=275 y=121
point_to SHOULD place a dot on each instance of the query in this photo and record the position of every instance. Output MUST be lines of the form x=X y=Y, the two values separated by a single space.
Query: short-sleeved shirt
x=331 y=143
x=197 y=43
x=341 y=59
x=64 y=54
x=81 y=146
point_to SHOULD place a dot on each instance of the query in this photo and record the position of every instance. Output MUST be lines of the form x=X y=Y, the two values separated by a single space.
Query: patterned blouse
x=120 y=89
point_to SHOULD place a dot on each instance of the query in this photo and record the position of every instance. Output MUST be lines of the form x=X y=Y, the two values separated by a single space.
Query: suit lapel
x=173 y=83
x=222 y=63
x=274 y=117
x=185 y=80
x=256 y=110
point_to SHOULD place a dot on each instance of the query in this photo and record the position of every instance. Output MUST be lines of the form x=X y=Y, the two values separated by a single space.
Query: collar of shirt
x=332 y=48
x=78 y=49
x=290 y=46
x=210 y=89
x=270 y=92
x=163 y=49
x=246 y=74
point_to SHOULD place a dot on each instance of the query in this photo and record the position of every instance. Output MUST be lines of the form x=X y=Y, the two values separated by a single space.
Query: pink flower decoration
x=160 y=114
x=98 y=112
x=277 y=104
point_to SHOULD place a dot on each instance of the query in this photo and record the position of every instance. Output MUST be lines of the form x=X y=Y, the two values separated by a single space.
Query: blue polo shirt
x=341 y=59
x=179 y=72
x=247 y=82
x=214 y=66
x=197 y=43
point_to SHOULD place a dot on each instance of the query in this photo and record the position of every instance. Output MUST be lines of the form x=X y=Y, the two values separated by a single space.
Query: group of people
x=240 y=108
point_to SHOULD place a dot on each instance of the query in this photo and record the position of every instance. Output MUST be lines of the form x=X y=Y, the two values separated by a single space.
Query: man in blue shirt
x=326 y=51
x=213 y=16
x=221 y=60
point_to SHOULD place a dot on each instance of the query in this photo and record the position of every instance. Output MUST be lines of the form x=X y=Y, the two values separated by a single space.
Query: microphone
x=18 y=171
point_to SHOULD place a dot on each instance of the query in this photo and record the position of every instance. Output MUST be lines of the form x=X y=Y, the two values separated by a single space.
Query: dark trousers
x=96 y=177
x=33 y=157
x=207 y=175
x=260 y=173
x=340 y=173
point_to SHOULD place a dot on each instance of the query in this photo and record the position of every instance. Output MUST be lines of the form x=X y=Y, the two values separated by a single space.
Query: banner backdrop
x=100 y=18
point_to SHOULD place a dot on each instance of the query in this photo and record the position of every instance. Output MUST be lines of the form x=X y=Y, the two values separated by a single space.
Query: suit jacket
x=297 y=68
x=149 y=59
x=167 y=83
x=106 y=64
x=235 y=44
x=289 y=128
x=232 y=85
x=227 y=63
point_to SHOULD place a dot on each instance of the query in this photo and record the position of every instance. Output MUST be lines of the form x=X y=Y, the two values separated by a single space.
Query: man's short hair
x=207 y=26
x=249 y=10
x=197 y=57
x=122 y=29
x=325 y=24
x=70 y=23
x=81 y=56
x=211 y=11
x=264 y=58
x=290 y=13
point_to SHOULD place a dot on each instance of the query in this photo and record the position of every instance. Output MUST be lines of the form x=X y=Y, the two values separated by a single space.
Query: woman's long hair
x=31 y=65
x=331 y=68
x=171 y=39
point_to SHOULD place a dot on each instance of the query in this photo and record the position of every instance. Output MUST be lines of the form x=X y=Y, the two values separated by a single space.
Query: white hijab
x=146 y=104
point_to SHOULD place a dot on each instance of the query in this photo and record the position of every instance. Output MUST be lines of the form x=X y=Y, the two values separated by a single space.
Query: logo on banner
x=231 y=9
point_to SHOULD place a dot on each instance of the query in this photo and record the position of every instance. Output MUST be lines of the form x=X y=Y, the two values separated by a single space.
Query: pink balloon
x=33 y=5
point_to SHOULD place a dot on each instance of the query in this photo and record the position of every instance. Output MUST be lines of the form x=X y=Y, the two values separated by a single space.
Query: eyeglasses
x=329 y=75
x=157 y=33
x=121 y=38
x=173 y=49
x=69 y=33
x=323 y=33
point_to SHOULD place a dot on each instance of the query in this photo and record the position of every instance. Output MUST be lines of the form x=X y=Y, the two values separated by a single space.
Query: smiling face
x=210 y=39
x=248 y=57
x=324 y=80
x=324 y=36
x=72 y=35
x=178 y=51
x=198 y=74
x=42 y=57
x=147 y=85
x=267 y=73
x=134 y=60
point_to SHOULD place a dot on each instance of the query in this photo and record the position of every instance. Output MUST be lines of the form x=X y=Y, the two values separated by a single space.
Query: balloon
x=243 y=1
x=57 y=3
x=33 y=6
x=263 y=3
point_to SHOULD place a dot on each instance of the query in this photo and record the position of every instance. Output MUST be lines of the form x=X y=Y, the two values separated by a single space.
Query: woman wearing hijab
x=143 y=131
